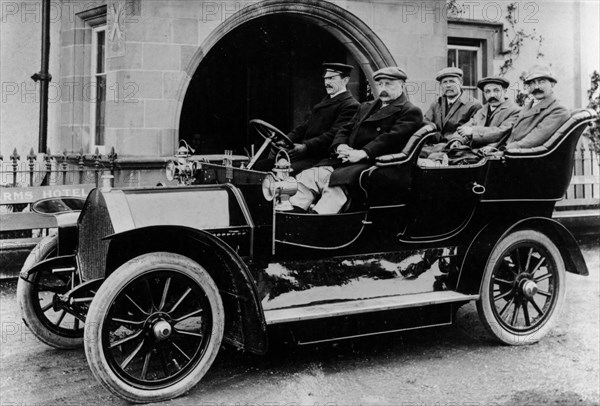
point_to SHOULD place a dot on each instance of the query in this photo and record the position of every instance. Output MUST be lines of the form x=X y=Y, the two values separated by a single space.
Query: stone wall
x=20 y=56
x=163 y=42
x=166 y=40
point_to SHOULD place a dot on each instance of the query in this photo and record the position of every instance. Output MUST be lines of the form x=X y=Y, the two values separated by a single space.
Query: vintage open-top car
x=151 y=281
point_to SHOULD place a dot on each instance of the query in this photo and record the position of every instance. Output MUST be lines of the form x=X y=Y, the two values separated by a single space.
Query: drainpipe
x=44 y=77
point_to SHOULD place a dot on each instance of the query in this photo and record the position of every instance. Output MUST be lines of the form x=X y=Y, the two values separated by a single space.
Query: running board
x=320 y=311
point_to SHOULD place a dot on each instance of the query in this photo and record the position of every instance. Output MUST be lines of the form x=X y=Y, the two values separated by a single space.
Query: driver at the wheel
x=312 y=138
x=379 y=127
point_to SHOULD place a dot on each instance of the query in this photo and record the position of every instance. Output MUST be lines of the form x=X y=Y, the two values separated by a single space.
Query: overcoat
x=498 y=126
x=535 y=124
x=317 y=132
x=377 y=131
x=460 y=112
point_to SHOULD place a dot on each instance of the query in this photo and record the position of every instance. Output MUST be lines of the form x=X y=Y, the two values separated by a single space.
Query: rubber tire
x=27 y=296
x=485 y=302
x=104 y=298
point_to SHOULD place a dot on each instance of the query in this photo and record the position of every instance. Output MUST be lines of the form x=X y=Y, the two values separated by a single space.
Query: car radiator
x=94 y=225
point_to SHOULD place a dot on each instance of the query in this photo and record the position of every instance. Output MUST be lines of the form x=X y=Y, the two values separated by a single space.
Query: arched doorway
x=265 y=63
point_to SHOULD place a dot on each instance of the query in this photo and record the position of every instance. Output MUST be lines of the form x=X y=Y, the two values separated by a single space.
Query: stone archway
x=357 y=36
x=353 y=34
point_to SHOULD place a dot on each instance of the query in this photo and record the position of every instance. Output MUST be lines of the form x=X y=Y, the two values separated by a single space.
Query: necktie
x=449 y=105
x=490 y=113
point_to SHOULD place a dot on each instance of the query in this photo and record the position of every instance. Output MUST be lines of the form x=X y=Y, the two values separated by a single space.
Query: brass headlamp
x=180 y=167
x=279 y=186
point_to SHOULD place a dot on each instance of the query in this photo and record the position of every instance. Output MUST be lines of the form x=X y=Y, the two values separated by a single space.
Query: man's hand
x=454 y=144
x=465 y=131
x=456 y=140
x=353 y=155
x=280 y=144
x=297 y=152
x=342 y=148
x=276 y=147
x=488 y=149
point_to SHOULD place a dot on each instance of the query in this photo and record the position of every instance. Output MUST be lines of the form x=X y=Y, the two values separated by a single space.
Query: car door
x=443 y=200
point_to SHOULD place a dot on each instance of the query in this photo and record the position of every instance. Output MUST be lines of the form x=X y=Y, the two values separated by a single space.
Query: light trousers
x=314 y=183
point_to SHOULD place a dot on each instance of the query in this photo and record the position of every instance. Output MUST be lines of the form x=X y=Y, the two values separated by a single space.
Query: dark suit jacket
x=536 y=124
x=317 y=132
x=377 y=131
x=461 y=111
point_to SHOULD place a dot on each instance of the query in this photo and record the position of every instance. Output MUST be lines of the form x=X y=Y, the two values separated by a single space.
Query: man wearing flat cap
x=379 y=127
x=542 y=115
x=452 y=109
x=313 y=137
x=493 y=121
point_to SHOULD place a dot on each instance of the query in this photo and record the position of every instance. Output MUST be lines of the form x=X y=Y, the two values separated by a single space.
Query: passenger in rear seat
x=535 y=123
x=493 y=121
x=454 y=108
x=542 y=115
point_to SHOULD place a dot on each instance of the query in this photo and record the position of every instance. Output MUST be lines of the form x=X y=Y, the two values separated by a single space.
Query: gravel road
x=456 y=365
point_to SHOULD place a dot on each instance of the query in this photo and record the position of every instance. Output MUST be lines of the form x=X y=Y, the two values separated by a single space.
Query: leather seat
x=389 y=181
x=568 y=130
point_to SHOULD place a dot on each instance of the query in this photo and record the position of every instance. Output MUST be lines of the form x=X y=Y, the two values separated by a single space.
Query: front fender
x=66 y=261
x=245 y=323
x=485 y=241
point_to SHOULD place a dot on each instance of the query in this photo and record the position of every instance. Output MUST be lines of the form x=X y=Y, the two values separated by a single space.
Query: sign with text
x=31 y=194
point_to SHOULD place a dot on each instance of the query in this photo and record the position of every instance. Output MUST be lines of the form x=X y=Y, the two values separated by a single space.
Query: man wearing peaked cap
x=380 y=127
x=493 y=121
x=340 y=68
x=313 y=137
x=499 y=80
x=540 y=71
x=392 y=73
x=452 y=109
x=542 y=115
x=449 y=72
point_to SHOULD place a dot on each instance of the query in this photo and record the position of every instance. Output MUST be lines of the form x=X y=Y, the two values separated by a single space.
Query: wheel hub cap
x=162 y=330
x=529 y=288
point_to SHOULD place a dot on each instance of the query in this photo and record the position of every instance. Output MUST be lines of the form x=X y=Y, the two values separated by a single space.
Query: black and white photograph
x=300 y=202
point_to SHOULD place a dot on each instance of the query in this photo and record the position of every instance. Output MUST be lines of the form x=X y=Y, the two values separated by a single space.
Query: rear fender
x=245 y=325
x=485 y=241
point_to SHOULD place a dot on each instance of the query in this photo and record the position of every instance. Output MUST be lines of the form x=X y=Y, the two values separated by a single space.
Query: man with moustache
x=379 y=127
x=452 y=109
x=313 y=137
x=542 y=115
x=493 y=121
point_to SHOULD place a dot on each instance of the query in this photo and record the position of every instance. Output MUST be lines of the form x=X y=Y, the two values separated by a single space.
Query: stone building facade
x=139 y=75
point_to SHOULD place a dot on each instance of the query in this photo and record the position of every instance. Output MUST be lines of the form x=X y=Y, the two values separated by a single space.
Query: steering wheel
x=271 y=133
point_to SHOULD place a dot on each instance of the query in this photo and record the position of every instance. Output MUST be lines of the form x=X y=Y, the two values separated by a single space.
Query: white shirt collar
x=451 y=101
x=340 y=92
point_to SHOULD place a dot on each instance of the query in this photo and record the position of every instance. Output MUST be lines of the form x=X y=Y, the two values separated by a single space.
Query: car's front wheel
x=523 y=288
x=37 y=295
x=154 y=327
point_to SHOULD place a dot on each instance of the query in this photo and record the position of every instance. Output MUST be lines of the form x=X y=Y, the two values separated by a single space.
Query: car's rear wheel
x=36 y=296
x=523 y=288
x=154 y=327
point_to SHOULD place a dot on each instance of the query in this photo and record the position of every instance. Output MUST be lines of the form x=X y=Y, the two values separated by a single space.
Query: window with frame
x=98 y=86
x=472 y=46
x=469 y=59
